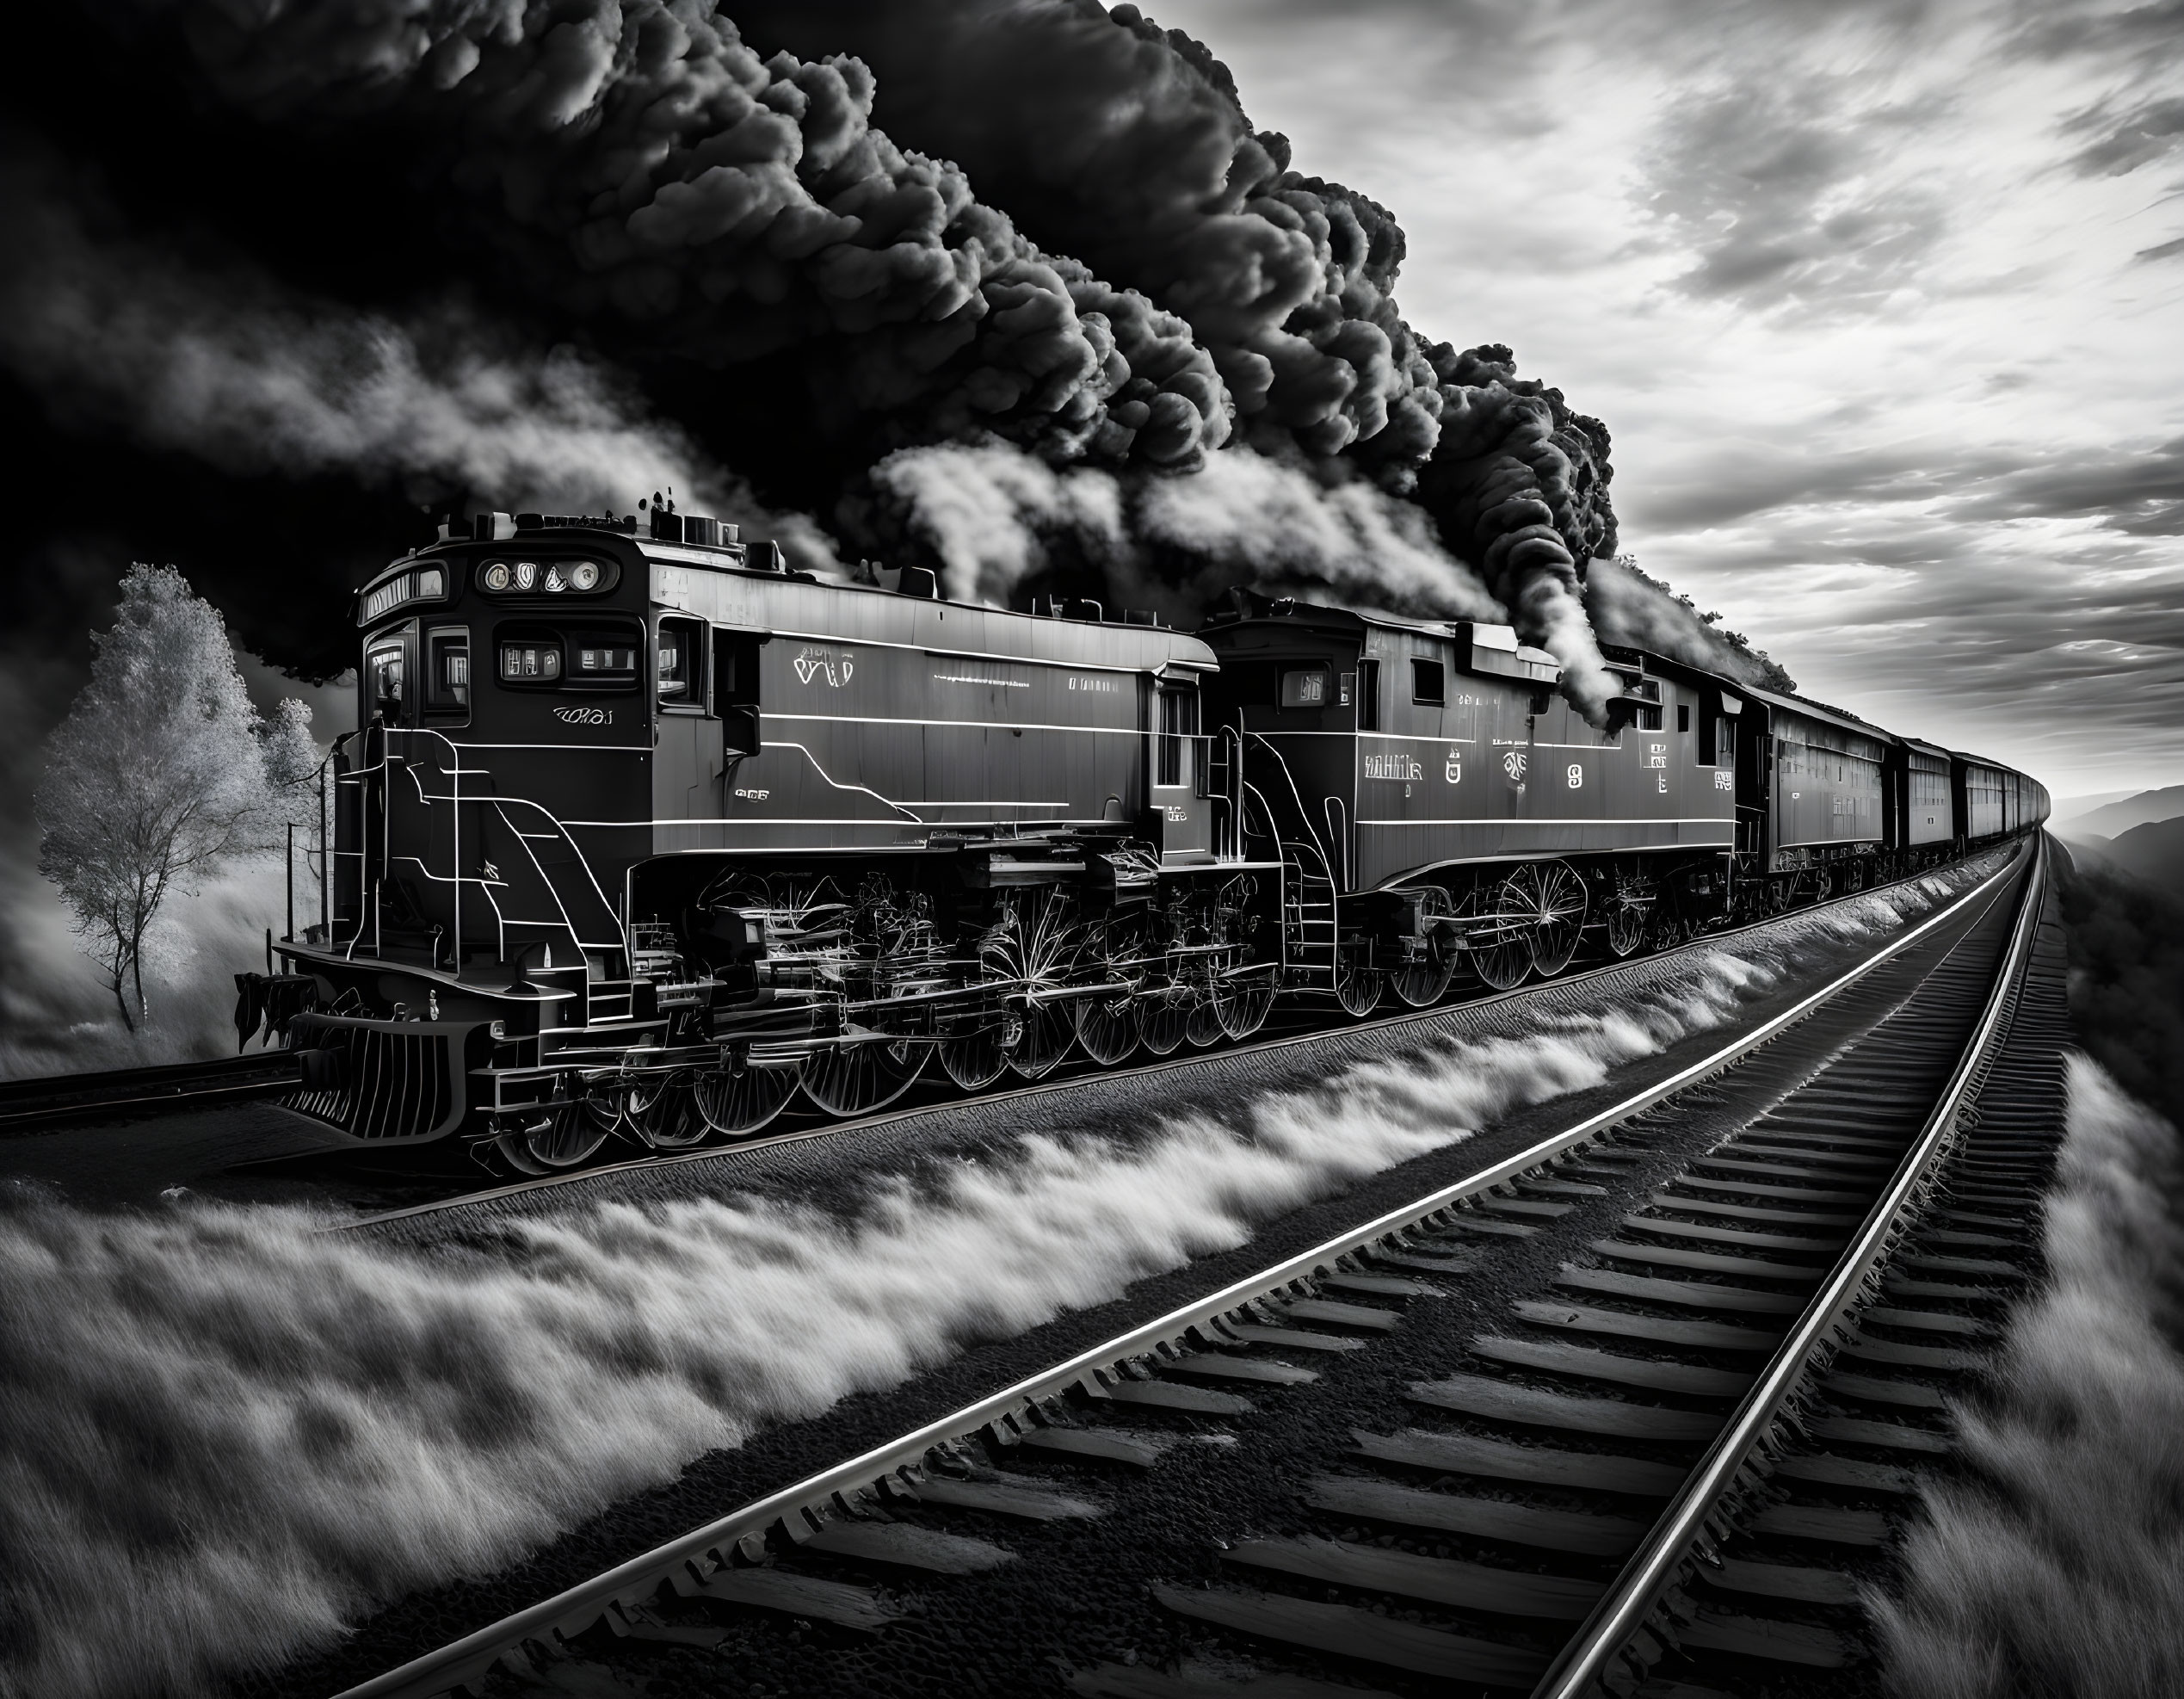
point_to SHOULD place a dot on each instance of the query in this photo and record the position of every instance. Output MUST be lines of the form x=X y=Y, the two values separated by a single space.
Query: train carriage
x=1981 y=793
x=1810 y=784
x=1919 y=824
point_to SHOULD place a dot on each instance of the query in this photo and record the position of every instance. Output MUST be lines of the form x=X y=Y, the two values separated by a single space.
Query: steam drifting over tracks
x=1224 y=1485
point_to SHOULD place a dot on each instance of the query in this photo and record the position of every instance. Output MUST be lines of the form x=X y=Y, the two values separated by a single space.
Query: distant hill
x=2070 y=807
x=2153 y=852
x=2113 y=818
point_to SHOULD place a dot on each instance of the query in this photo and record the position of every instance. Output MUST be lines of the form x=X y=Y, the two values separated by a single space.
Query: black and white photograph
x=984 y=848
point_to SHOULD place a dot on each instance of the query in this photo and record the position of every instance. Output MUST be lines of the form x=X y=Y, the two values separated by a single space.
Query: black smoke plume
x=1129 y=146
x=713 y=211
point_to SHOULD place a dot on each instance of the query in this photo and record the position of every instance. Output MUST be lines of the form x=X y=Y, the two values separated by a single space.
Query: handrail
x=1578 y=1670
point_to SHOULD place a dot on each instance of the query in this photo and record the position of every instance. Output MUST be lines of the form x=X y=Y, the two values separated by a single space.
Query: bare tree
x=159 y=777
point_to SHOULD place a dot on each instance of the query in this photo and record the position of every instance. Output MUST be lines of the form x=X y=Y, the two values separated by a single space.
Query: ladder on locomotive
x=1309 y=907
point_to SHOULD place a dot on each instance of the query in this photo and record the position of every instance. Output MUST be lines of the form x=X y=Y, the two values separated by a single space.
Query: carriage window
x=383 y=671
x=447 y=672
x=1305 y=687
x=1426 y=682
x=1368 y=695
x=681 y=663
x=1683 y=716
x=1178 y=721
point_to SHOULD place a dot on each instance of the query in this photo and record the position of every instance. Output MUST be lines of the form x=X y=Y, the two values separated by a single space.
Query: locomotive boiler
x=645 y=836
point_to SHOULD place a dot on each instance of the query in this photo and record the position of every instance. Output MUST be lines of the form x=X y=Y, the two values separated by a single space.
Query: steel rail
x=29 y=1102
x=634 y=1581
x=1630 y=1601
x=1255 y=1046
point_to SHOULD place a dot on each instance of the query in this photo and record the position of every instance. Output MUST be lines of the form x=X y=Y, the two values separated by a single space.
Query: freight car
x=645 y=836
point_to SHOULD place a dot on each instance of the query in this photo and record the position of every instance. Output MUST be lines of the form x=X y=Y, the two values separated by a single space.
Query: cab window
x=681 y=658
x=1427 y=683
x=447 y=673
x=385 y=684
x=1307 y=687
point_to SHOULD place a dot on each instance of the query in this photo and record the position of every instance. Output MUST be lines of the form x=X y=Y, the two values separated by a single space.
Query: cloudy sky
x=1881 y=302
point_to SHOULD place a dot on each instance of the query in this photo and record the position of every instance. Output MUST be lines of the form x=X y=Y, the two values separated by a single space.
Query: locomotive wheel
x=1163 y=1017
x=1631 y=907
x=663 y=1114
x=560 y=1135
x=1420 y=984
x=1107 y=1028
x=1245 y=1000
x=974 y=1058
x=1048 y=1030
x=1357 y=987
x=1503 y=957
x=1113 y=954
x=1203 y=1026
x=1550 y=897
x=857 y=1078
x=735 y=1104
x=1035 y=946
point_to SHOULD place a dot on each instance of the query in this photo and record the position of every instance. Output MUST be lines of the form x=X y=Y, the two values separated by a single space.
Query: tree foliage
x=161 y=775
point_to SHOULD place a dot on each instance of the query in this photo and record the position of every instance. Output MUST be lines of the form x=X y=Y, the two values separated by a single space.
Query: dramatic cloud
x=1878 y=298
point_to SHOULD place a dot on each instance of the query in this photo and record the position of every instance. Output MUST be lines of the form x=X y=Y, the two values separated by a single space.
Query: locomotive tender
x=644 y=835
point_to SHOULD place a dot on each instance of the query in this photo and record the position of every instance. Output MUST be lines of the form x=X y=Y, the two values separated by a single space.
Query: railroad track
x=29 y=1105
x=1634 y=1409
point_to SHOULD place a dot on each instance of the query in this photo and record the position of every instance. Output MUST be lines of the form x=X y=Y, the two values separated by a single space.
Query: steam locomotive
x=646 y=836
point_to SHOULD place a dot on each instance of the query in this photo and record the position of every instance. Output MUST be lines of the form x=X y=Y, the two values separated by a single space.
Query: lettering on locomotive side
x=1453 y=769
x=1656 y=755
x=835 y=668
x=1098 y=685
x=584 y=716
x=1398 y=766
x=752 y=794
x=1728 y=781
x=1514 y=763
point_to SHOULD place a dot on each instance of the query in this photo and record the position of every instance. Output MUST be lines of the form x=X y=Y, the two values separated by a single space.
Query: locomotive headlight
x=526 y=574
x=497 y=577
x=432 y=582
x=554 y=582
x=584 y=575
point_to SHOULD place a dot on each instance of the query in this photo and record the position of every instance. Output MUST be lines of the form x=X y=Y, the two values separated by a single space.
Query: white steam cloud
x=2057 y=1565
x=996 y=514
x=226 y=1435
